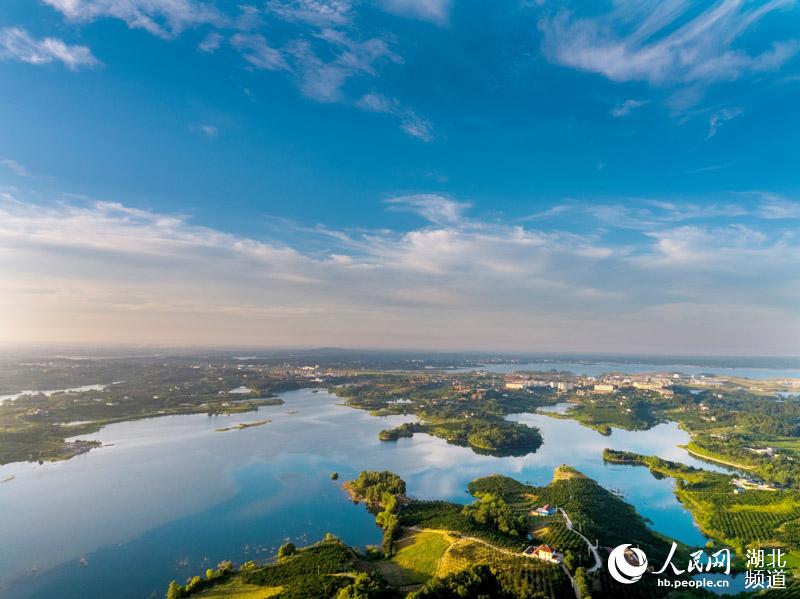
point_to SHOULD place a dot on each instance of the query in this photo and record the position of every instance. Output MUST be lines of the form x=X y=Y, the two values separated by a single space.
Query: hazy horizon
x=89 y=351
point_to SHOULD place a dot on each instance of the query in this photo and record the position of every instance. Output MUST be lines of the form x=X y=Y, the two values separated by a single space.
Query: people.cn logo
x=626 y=564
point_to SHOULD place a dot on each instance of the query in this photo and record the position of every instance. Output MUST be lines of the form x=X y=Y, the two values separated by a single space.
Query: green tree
x=569 y=560
x=367 y=586
x=286 y=550
x=582 y=582
x=477 y=581
x=492 y=510
x=195 y=584
x=174 y=591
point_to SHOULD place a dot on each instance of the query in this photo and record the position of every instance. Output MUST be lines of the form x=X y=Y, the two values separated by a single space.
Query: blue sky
x=402 y=173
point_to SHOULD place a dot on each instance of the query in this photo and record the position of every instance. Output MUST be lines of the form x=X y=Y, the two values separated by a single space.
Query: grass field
x=236 y=589
x=417 y=558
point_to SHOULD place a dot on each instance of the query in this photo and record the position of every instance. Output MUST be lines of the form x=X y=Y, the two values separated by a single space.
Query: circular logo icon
x=620 y=566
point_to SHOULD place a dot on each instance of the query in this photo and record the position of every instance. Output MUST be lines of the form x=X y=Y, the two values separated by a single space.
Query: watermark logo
x=626 y=564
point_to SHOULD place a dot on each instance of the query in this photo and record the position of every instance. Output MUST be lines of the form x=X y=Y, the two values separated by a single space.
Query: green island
x=243 y=426
x=468 y=411
x=438 y=549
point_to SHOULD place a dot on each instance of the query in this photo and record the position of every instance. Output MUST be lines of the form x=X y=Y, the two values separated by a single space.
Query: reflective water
x=587 y=368
x=167 y=496
x=13 y=396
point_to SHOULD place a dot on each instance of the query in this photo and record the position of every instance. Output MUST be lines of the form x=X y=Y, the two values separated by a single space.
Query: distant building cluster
x=605 y=384
x=520 y=383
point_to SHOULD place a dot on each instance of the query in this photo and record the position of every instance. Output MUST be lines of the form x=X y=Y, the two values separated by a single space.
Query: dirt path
x=476 y=539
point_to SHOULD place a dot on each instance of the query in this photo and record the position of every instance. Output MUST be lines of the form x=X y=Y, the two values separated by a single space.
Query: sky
x=423 y=174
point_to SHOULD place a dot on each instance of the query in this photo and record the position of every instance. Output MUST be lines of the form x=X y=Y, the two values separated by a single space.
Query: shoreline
x=718 y=461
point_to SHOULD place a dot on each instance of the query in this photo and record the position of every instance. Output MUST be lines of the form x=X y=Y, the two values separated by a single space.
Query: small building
x=517 y=385
x=604 y=388
x=544 y=553
x=767 y=451
x=545 y=510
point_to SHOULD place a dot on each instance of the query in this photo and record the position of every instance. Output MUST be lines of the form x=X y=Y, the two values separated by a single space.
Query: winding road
x=598 y=563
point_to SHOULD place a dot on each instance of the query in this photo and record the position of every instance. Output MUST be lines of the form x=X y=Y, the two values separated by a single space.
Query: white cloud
x=255 y=50
x=432 y=207
x=209 y=131
x=15 y=167
x=17 y=44
x=435 y=11
x=322 y=13
x=654 y=42
x=776 y=207
x=164 y=18
x=647 y=215
x=103 y=271
x=210 y=43
x=321 y=59
x=723 y=248
x=373 y=102
x=417 y=127
x=410 y=123
x=718 y=119
x=323 y=79
x=626 y=107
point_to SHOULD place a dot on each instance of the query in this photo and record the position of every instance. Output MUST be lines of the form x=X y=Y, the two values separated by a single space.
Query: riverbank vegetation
x=727 y=511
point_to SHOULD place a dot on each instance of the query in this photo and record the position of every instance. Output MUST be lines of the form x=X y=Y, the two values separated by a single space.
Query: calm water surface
x=600 y=367
x=168 y=496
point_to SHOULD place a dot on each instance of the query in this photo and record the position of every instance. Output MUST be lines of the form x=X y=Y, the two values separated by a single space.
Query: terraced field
x=536 y=575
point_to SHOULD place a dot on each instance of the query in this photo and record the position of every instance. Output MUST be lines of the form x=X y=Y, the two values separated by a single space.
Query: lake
x=591 y=368
x=14 y=396
x=169 y=496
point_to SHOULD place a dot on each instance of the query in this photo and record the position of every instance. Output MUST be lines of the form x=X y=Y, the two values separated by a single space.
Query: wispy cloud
x=710 y=168
x=410 y=122
x=655 y=42
x=626 y=107
x=435 y=11
x=256 y=51
x=322 y=79
x=322 y=13
x=210 y=131
x=323 y=52
x=776 y=207
x=162 y=18
x=432 y=207
x=647 y=215
x=210 y=43
x=17 y=44
x=15 y=167
x=718 y=119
